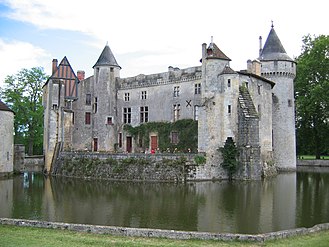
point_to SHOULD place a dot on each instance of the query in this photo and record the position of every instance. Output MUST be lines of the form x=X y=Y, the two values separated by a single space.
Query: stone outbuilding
x=6 y=140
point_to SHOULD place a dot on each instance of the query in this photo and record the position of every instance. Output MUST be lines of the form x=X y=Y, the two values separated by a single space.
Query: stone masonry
x=254 y=107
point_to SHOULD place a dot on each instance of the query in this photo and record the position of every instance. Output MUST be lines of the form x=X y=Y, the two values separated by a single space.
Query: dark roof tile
x=214 y=52
x=273 y=49
x=106 y=58
x=4 y=107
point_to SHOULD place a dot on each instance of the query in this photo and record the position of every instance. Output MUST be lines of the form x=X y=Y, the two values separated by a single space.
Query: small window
x=127 y=115
x=68 y=104
x=73 y=117
x=143 y=95
x=7 y=156
x=95 y=105
x=258 y=89
x=228 y=82
x=197 y=88
x=54 y=106
x=259 y=109
x=120 y=140
x=174 y=137
x=229 y=109
x=176 y=91
x=127 y=96
x=176 y=112
x=109 y=120
x=144 y=114
x=289 y=103
x=111 y=69
x=87 y=118
x=88 y=99
x=246 y=84
x=95 y=144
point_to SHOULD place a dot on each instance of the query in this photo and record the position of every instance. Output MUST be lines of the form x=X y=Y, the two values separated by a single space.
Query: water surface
x=287 y=201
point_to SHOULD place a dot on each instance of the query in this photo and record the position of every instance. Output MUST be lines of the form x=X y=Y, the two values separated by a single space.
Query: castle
x=253 y=107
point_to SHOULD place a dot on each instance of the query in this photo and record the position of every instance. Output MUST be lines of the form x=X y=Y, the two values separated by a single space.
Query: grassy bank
x=28 y=236
x=311 y=157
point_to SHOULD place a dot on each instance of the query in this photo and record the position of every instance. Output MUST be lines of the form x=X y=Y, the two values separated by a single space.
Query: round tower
x=104 y=115
x=278 y=67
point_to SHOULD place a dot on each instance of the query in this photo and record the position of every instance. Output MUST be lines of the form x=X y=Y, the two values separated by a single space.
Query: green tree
x=230 y=157
x=312 y=98
x=23 y=94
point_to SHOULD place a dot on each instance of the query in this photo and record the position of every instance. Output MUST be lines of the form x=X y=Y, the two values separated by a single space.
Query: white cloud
x=175 y=29
x=16 y=55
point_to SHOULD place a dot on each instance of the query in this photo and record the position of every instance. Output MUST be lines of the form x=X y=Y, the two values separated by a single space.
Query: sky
x=148 y=36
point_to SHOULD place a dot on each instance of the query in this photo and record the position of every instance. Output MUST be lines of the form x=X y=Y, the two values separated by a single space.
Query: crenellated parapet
x=173 y=76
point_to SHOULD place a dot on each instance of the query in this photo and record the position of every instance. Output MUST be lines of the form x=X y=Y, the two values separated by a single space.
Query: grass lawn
x=28 y=236
x=311 y=157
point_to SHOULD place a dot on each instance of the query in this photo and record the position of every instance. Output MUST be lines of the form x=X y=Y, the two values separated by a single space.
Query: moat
x=288 y=201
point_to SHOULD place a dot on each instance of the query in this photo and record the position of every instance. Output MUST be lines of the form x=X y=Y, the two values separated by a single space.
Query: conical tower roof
x=273 y=49
x=106 y=58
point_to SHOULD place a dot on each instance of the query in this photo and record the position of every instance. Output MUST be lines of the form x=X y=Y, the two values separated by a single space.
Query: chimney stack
x=260 y=45
x=54 y=66
x=81 y=75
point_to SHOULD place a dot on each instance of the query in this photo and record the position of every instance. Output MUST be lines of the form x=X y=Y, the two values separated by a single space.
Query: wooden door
x=129 y=144
x=154 y=143
x=95 y=144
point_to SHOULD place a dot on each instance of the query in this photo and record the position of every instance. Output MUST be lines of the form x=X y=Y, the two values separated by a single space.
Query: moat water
x=288 y=201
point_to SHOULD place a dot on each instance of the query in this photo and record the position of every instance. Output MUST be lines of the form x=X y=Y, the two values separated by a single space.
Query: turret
x=104 y=115
x=220 y=89
x=278 y=67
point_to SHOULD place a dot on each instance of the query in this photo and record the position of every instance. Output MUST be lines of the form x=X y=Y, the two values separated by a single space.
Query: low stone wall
x=34 y=163
x=158 y=233
x=141 y=167
x=24 y=163
x=319 y=163
x=147 y=167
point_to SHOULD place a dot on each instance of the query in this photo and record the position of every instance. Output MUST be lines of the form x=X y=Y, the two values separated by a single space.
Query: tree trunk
x=30 y=141
x=317 y=140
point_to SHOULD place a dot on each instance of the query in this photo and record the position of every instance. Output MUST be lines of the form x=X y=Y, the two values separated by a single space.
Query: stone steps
x=247 y=104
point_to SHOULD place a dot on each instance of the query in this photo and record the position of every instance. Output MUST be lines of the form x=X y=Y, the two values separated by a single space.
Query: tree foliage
x=187 y=130
x=312 y=98
x=23 y=94
x=230 y=157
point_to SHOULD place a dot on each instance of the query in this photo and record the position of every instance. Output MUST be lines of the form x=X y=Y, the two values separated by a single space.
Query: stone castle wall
x=171 y=234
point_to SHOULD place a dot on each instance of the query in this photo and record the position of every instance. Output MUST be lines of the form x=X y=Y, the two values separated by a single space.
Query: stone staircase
x=246 y=103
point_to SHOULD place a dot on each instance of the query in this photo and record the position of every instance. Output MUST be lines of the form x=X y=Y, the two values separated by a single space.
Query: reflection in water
x=312 y=198
x=287 y=201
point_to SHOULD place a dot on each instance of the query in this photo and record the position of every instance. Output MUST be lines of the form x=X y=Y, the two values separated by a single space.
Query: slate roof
x=106 y=58
x=228 y=70
x=214 y=52
x=273 y=49
x=4 y=107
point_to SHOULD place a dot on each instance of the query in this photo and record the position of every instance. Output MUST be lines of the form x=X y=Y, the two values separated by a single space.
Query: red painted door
x=154 y=142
